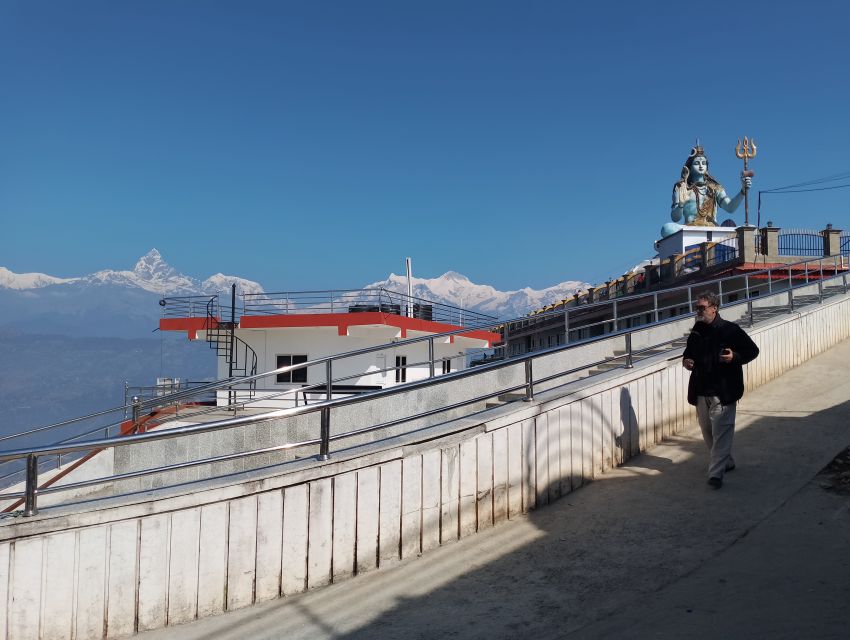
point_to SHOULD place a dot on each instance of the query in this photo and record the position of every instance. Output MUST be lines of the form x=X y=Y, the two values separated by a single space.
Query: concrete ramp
x=646 y=551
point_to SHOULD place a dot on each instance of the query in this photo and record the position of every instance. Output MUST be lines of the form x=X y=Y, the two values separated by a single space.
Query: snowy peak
x=457 y=290
x=151 y=273
x=21 y=281
x=220 y=282
x=151 y=267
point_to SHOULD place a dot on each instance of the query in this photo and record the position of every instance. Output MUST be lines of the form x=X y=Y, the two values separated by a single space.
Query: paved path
x=647 y=551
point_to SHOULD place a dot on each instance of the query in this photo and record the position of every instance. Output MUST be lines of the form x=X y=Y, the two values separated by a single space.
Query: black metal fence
x=800 y=242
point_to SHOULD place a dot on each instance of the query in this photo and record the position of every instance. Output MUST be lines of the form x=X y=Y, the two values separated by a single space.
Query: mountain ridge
x=153 y=275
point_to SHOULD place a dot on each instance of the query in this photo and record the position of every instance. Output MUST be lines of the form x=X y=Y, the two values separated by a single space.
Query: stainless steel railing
x=359 y=301
x=674 y=298
x=805 y=274
x=578 y=322
x=32 y=455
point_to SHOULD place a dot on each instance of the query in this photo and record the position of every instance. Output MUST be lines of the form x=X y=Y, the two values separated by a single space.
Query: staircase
x=221 y=338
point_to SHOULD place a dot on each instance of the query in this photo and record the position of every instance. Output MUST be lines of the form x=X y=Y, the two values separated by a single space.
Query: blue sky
x=316 y=144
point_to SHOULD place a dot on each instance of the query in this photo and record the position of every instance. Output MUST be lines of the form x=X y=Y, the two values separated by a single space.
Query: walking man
x=715 y=354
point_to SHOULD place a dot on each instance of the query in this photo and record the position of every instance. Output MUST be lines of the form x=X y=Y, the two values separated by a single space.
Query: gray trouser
x=717 y=422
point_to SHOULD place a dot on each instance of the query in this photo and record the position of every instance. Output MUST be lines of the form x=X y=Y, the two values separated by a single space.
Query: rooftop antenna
x=409 y=288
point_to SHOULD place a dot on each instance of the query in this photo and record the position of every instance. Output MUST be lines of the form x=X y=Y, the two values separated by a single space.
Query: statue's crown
x=697 y=151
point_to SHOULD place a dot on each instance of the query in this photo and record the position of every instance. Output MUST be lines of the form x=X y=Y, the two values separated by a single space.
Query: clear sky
x=316 y=144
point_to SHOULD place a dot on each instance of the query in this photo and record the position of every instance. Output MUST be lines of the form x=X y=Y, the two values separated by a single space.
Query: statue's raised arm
x=697 y=195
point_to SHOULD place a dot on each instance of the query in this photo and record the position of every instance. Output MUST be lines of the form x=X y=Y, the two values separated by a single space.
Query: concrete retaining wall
x=119 y=566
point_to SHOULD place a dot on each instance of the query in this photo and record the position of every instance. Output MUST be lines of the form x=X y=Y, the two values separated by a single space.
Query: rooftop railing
x=330 y=301
x=359 y=301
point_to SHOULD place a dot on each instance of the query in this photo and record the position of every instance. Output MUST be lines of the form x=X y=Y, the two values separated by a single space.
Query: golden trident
x=745 y=153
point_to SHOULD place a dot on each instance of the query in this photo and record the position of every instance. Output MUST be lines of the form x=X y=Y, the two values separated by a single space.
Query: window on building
x=298 y=375
x=447 y=365
x=401 y=368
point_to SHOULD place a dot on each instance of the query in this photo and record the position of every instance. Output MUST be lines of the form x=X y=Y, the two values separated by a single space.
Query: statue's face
x=699 y=166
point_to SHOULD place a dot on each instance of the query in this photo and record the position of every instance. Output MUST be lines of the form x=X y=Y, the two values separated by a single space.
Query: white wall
x=129 y=565
x=322 y=342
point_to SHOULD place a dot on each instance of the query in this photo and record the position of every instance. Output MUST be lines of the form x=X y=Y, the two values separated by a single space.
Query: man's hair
x=709 y=296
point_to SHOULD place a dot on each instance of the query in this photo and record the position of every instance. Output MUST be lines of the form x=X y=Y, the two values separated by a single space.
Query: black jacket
x=709 y=375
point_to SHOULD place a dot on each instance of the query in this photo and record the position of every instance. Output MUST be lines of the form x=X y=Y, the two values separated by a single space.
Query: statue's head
x=696 y=166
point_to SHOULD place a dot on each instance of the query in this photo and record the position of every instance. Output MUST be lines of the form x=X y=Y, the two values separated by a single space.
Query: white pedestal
x=689 y=237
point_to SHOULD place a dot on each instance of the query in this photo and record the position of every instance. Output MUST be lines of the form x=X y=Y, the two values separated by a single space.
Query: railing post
x=325 y=446
x=769 y=282
x=137 y=412
x=655 y=305
x=720 y=290
x=690 y=300
x=616 y=322
x=430 y=357
x=329 y=383
x=790 y=279
x=820 y=281
x=630 y=363
x=529 y=382
x=750 y=311
x=31 y=492
x=566 y=325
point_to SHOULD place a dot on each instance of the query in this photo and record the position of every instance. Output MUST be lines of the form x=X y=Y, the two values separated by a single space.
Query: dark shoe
x=730 y=466
x=715 y=483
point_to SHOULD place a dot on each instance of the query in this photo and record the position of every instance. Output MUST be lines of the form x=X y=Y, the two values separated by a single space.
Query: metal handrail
x=294 y=302
x=150 y=436
x=229 y=383
x=32 y=454
x=702 y=284
x=324 y=408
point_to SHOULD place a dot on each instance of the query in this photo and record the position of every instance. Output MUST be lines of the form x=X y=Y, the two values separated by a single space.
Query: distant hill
x=50 y=378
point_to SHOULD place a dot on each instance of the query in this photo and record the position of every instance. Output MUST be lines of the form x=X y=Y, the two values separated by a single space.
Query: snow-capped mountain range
x=152 y=274
x=456 y=289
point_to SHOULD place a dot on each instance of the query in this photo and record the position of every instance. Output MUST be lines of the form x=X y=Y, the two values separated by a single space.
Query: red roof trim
x=342 y=321
x=190 y=325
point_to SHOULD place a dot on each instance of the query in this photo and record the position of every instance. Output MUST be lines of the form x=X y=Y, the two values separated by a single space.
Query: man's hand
x=688 y=364
x=746 y=182
x=726 y=356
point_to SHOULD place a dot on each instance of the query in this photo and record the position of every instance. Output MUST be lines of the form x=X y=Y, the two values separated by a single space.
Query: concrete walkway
x=646 y=551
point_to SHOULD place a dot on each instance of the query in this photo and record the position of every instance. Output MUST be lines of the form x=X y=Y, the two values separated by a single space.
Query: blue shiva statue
x=697 y=194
